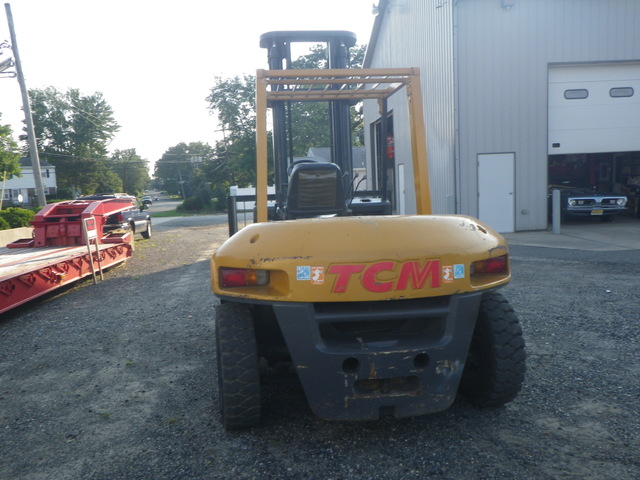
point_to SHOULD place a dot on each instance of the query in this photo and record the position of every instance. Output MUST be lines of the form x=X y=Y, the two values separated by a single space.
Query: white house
x=518 y=94
x=22 y=190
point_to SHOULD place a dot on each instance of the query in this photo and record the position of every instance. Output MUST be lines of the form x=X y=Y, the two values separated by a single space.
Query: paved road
x=163 y=206
x=169 y=223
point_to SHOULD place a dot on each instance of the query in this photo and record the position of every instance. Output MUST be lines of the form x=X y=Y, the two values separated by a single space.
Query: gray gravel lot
x=117 y=381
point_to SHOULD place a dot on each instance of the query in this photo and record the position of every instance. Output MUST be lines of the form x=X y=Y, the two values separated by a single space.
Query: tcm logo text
x=387 y=276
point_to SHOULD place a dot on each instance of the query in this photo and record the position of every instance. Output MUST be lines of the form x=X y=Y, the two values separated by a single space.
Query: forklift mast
x=337 y=44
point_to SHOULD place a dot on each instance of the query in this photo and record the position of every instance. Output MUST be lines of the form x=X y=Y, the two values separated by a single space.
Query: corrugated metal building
x=516 y=93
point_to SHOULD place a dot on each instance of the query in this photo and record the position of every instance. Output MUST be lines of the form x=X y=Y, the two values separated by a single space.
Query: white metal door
x=496 y=185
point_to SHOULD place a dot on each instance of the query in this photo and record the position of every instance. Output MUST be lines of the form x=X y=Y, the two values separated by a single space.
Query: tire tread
x=238 y=372
x=498 y=340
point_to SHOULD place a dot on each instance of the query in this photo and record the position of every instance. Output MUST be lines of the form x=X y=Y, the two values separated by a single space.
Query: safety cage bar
x=334 y=84
x=340 y=84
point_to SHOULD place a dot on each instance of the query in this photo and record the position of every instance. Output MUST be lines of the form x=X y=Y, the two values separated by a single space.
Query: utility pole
x=31 y=135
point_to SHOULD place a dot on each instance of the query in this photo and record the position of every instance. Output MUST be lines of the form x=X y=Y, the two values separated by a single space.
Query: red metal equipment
x=57 y=254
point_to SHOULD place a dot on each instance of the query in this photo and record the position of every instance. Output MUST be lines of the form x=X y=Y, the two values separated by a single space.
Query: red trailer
x=71 y=240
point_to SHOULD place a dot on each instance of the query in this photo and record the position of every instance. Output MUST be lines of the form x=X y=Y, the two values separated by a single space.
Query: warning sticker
x=452 y=272
x=447 y=273
x=303 y=273
x=317 y=275
x=458 y=271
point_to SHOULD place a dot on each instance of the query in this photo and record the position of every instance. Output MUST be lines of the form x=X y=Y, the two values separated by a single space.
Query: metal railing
x=239 y=207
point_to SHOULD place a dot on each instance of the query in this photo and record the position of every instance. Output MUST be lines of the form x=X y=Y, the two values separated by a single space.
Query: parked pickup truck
x=134 y=219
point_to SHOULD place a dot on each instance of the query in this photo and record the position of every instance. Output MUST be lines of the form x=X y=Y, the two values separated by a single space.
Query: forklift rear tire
x=238 y=369
x=495 y=366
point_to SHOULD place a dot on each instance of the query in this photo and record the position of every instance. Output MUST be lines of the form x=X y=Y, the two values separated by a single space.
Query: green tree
x=104 y=179
x=232 y=100
x=317 y=58
x=73 y=132
x=357 y=56
x=181 y=167
x=132 y=170
x=310 y=127
x=9 y=154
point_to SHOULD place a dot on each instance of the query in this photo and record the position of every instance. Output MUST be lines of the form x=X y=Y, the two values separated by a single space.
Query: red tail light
x=490 y=266
x=243 y=277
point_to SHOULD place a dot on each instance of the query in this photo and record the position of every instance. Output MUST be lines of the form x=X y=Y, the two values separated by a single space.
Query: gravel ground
x=117 y=381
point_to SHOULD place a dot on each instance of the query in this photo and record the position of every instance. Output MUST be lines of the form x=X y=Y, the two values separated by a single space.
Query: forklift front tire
x=238 y=369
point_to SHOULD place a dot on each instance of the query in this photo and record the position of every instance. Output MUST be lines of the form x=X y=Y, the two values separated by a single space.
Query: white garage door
x=594 y=108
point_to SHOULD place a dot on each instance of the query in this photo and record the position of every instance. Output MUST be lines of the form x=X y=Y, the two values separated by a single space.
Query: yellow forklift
x=378 y=314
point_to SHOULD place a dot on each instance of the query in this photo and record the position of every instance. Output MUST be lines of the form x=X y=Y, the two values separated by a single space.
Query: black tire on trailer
x=147 y=233
x=238 y=368
x=495 y=366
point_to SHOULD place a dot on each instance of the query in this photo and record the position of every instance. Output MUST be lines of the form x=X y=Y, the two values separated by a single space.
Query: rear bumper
x=364 y=360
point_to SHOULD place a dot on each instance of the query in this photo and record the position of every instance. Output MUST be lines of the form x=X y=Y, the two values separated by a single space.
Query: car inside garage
x=594 y=129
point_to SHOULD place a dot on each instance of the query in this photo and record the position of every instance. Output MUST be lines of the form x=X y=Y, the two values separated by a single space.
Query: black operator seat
x=315 y=188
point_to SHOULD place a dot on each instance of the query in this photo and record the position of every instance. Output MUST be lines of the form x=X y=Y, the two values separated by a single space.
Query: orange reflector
x=490 y=266
x=243 y=277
